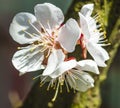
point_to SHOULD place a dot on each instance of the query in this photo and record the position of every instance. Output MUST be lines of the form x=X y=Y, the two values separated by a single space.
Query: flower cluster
x=48 y=41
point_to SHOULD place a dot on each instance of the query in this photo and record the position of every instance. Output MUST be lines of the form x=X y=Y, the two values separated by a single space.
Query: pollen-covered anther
x=32 y=49
x=100 y=29
x=98 y=20
x=104 y=34
x=97 y=17
x=18 y=48
x=61 y=80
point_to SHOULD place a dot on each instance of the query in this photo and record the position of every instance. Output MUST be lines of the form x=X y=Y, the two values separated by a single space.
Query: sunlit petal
x=55 y=58
x=86 y=10
x=84 y=26
x=99 y=54
x=49 y=14
x=68 y=35
x=85 y=82
x=63 y=67
x=88 y=65
x=26 y=61
x=19 y=25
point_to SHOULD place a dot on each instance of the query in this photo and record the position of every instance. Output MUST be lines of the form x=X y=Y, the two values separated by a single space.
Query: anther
x=28 y=33
x=18 y=48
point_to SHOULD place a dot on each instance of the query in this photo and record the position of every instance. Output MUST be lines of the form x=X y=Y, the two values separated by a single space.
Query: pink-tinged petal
x=99 y=54
x=55 y=58
x=26 y=60
x=48 y=14
x=88 y=65
x=87 y=10
x=63 y=67
x=84 y=26
x=82 y=82
x=20 y=24
x=68 y=35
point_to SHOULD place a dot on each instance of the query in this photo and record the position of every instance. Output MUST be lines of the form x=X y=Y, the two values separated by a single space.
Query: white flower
x=92 y=38
x=70 y=72
x=42 y=33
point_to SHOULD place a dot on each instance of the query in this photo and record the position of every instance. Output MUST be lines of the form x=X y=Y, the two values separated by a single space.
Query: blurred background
x=14 y=87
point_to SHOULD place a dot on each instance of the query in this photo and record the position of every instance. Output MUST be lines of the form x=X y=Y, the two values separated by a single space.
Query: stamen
x=44 y=28
x=49 y=51
x=48 y=40
x=74 y=76
x=68 y=90
x=28 y=33
x=56 y=92
x=107 y=44
x=96 y=15
x=52 y=39
x=49 y=86
x=18 y=48
x=41 y=84
x=36 y=77
x=43 y=78
x=100 y=29
x=52 y=83
x=22 y=47
x=43 y=81
x=35 y=27
x=44 y=48
x=106 y=40
x=32 y=49
x=99 y=25
x=36 y=35
x=55 y=84
x=101 y=38
x=60 y=88
x=69 y=74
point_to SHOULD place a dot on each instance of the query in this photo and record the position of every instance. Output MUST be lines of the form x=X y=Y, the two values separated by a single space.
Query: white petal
x=82 y=83
x=85 y=83
x=21 y=22
x=48 y=13
x=63 y=67
x=87 y=9
x=26 y=60
x=88 y=65
x=68 y=35
x=89 y=28
x=84 y=26
x=92 y=25
x=55 y=58
x=99 y=54
x=95 y=36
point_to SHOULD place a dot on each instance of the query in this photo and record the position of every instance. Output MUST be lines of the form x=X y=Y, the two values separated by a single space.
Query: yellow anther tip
x=109 y=43
x=47 y=89
x=33 y=78
x=18 y=47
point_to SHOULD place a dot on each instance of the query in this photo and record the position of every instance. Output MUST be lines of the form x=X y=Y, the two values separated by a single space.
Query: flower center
x=45 y=38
